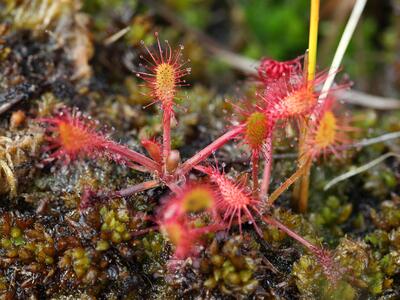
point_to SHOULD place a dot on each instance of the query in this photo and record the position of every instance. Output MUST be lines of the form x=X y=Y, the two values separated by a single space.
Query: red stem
x=314 y=249
x=134 y=156
x=205 y=170
x=267 y=152
x=206 y=152
x=137 y=167
x=173 y=187
x=167 y=115
x=144 y=231
x=254 y=170
x=137 y=188
x=323 y=256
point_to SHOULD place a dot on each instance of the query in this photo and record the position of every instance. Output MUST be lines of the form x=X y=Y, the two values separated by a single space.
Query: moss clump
x=117 y=224
x=388 y=217
x=313 y=284
x=297 y=223
x=386 y=248
x=79 y=259
x=357 y=271
x=84 y=267
x=114 y=224
x=21 y=240
x=3 y=283
x=230 y=267
x=331 y=216
x=379 y=180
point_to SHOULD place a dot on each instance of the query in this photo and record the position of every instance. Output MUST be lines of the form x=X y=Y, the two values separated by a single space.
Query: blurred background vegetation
x=265 y=28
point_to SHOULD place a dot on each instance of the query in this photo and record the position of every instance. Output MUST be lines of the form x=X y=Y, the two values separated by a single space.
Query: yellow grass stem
x=301 y=191
x=313 y=39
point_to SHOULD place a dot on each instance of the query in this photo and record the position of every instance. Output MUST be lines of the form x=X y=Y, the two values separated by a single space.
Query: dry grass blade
x=360 y=169
x=342 y=47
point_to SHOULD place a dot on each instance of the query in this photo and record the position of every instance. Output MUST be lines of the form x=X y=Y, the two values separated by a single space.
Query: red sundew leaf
x=234 y=200
x=294 y=97
x=256 y=122
x=164 y=73
x=183 y=235
x=271 y=70
x=193 y=198
x=178 y=216
x=290 y=98
x=327 y=132
x=72 y=136
x=153 y=148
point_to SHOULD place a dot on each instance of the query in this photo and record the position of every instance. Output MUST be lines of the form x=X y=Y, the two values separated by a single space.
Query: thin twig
x=20 y=92
x=363 y=143
x=359 y=170
x=375 y=140
x=116 y=36
x=367 y=100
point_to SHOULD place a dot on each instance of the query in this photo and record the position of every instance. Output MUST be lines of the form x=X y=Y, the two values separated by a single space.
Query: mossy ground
x=54 y=246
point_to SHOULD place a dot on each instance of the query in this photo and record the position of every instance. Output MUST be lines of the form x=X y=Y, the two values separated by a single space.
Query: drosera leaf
x=71 y=135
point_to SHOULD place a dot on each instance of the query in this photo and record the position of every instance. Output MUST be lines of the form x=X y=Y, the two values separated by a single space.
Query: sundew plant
x=287 y=92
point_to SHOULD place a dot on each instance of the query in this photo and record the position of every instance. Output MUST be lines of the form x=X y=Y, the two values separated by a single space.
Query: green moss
x=313 y=284
x=230 y=267
x=293 y=221
x=388 y=216
x=54 y=243
x=117 y=224
x=356 y=268
x=332 y=215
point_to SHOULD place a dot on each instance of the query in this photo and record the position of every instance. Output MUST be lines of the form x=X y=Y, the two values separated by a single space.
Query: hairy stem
x=267 y=153
x=167 y=115
x=134 y=156
x=284 y=186
x=207 y=151
x=137 y=188
x=312 y=248
x=254 y=171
